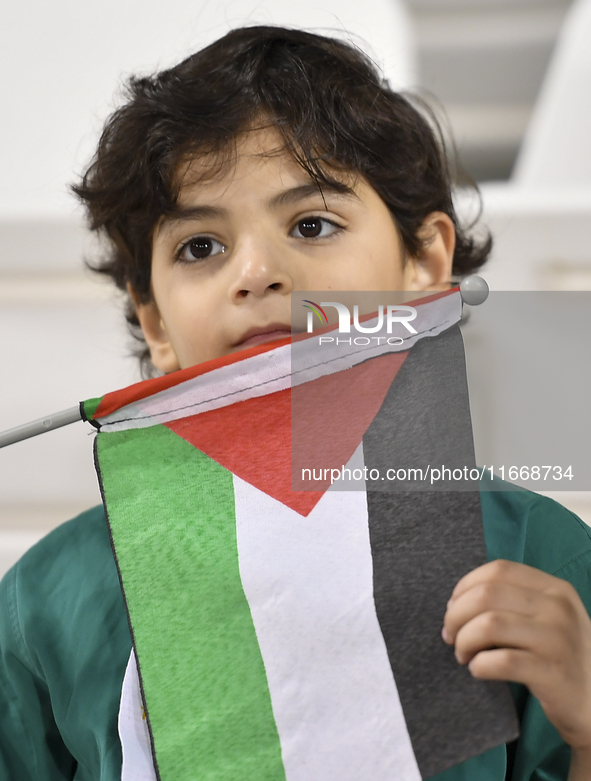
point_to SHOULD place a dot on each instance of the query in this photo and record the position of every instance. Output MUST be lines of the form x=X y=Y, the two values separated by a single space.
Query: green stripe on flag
x=202 y=672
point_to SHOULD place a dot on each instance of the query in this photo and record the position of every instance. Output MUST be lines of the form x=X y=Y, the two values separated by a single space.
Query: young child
x=273 y=161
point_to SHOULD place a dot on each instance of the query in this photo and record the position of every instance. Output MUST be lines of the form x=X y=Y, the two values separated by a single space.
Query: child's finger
x=504 y=664
x=503 y=571
x=505 y=629
x=486 y=596
x=518 y=665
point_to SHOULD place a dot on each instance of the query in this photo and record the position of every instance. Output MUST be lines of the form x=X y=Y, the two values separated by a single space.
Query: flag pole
x=49 y=422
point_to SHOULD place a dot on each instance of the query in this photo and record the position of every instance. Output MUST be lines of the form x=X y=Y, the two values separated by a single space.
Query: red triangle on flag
x=268 y=440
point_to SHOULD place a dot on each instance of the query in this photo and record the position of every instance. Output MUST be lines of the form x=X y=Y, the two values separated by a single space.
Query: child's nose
x=258 y=269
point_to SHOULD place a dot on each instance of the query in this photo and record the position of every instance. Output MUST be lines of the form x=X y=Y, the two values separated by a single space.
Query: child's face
x=224 y=266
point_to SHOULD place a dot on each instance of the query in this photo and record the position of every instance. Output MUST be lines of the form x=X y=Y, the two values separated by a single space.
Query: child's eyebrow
x=285 y=198
x=303 y=191
x=187 y=213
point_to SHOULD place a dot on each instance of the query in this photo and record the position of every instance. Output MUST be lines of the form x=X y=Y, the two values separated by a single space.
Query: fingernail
x=445 y=635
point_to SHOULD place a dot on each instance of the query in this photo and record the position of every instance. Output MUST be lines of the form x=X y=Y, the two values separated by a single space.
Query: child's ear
x=155 y=333
x=432 y=269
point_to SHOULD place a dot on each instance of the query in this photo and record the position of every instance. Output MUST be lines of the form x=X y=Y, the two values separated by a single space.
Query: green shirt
x=65 y=644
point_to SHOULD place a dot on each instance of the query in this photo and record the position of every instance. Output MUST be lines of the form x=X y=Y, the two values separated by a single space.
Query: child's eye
x=199 y=248
x=314 y=228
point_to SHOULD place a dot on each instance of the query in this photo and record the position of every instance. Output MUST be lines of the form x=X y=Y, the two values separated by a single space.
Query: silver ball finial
x=474 y=290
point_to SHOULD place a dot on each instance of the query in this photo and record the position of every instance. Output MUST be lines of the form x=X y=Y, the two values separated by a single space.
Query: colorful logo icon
x=317 y=310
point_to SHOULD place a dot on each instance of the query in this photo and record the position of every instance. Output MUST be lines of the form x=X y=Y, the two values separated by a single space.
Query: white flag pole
x=40 y=426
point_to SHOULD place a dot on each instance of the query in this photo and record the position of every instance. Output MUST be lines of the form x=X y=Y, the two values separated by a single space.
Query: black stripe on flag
x=423 y=542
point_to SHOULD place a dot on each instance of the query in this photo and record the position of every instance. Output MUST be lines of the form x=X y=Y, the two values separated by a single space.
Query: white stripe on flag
x=309 y=584
x=278 y=369
x=265 y=373
x=133 y=729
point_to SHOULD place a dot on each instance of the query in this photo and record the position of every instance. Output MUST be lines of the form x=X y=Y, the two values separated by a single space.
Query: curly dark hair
x=331 y=107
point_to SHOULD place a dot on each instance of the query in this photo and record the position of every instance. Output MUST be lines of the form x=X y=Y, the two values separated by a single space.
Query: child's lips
x=265 y=334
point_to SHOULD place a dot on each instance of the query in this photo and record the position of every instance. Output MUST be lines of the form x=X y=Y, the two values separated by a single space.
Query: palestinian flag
x=295 y=634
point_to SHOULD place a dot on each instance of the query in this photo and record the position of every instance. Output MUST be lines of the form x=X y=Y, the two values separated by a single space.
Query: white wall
x=62 y=61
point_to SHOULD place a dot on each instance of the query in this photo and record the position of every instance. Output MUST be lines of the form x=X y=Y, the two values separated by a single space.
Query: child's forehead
x=256 y=158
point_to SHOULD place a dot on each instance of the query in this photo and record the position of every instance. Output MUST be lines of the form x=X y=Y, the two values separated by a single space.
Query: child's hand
x=512 y=622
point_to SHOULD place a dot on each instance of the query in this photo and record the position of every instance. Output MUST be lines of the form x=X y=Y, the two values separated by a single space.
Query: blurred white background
x=495 y=65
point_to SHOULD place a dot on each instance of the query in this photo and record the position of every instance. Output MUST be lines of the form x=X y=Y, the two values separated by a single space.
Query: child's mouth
x=269 y=333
